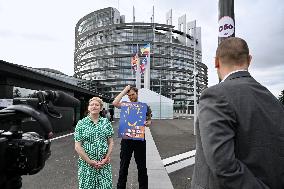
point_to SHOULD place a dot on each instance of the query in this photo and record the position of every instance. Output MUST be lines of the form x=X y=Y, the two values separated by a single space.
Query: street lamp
x=192 y=27
x=194 y=80
x=160 y=95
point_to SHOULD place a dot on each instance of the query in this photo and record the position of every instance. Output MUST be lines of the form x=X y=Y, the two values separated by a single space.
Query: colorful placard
x=132 y=119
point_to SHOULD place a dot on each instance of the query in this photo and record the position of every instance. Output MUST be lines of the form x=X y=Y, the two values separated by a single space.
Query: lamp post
x=194 y=79
x=226 y=19
x=160 y=95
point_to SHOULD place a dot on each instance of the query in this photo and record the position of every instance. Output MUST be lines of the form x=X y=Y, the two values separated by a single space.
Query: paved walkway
x=158 y=176
x=175 y=140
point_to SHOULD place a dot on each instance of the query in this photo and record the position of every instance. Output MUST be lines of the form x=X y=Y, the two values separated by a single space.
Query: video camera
x=25 y=153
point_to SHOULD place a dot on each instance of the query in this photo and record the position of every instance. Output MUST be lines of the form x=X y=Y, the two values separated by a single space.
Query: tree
x=16 y=93
x=281 y=97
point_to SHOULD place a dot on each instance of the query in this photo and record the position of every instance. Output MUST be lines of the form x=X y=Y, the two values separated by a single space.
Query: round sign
x=226 y=26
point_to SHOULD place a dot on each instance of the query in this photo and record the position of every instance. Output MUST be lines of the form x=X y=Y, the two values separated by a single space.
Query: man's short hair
x=133 y=89
x=233 y=49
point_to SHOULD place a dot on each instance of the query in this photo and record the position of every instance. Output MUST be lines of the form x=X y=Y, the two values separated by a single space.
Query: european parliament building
x=105 y=44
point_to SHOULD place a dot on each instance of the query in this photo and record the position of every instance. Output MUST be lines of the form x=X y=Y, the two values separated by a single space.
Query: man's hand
x=126 y=89
x=147 y=123
x=117 y=99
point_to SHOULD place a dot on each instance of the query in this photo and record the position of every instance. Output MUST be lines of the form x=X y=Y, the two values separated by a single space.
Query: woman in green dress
x=94 y=143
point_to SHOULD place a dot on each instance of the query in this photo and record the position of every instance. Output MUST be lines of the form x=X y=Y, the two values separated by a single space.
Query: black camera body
x=25 y=153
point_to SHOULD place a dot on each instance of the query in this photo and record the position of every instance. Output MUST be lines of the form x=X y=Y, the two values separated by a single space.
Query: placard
x=132 y=119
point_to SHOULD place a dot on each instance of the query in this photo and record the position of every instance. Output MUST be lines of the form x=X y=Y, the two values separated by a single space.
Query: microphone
x=59 y=98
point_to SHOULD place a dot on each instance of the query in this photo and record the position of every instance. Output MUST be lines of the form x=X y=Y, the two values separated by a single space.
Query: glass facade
x=105 y=44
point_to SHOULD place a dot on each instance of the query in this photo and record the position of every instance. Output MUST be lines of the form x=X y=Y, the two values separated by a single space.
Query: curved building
x=105 y=44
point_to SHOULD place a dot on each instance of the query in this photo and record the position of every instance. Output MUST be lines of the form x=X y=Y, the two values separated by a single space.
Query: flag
x=143 y=64
x=134 y=61
x=135 y=58
x=145 y=50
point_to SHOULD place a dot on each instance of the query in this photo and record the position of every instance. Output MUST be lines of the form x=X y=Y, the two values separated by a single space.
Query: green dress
x=94 y=141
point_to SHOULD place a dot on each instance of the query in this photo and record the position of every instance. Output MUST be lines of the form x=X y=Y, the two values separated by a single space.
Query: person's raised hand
x=127 y=88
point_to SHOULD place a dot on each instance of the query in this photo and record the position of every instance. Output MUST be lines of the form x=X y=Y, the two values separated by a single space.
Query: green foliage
x=16 y=93
x=281 y=97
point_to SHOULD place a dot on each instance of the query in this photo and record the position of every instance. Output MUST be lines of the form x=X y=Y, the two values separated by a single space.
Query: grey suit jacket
x=240 y=137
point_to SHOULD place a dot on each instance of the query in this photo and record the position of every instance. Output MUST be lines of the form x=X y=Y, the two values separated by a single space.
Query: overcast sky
x=39 y=33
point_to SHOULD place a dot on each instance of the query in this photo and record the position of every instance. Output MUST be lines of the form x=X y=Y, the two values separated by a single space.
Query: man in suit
x=240 y=128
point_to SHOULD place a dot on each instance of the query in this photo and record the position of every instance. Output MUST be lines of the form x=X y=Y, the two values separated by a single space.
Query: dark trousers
x=139 y=149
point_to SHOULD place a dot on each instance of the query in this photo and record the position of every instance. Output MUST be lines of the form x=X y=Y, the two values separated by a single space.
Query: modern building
x=105 y=45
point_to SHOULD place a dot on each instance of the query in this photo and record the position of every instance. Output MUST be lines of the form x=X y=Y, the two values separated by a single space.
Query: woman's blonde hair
x=99 y=100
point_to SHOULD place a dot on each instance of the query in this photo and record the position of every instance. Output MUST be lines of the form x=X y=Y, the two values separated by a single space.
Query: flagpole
x=148 y=66
x=138 y=70
x=133 y=14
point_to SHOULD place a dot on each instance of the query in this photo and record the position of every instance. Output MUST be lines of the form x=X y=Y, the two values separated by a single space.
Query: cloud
x=271 y=77
x=263 y=28
x=6 y=34
x=27 y=25
x=261 y=24
x=39 y=37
